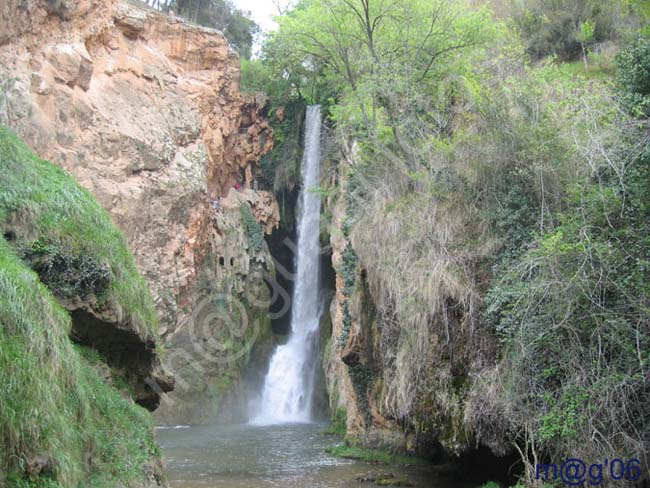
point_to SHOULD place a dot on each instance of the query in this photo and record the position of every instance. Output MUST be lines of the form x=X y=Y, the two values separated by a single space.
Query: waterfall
x=288 y=386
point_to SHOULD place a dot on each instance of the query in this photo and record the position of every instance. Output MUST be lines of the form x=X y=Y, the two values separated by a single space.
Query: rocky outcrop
x=352 y=362
x=132 y=356
x=229 y=323
x=145 y=111
x=370 y=352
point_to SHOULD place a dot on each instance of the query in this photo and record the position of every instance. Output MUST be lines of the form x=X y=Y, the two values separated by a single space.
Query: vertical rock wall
x=145 y=111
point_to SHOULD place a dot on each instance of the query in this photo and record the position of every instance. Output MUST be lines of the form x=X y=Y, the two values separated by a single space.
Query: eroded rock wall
x=145 y=111
x=431 y=413
x=352 y=361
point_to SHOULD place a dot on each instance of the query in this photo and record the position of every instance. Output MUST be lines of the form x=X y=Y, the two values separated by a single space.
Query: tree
x=585 y=36
x=379 y=54
x=634 y=76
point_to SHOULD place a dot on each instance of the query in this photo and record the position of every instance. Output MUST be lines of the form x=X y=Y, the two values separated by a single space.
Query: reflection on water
x=287 y=456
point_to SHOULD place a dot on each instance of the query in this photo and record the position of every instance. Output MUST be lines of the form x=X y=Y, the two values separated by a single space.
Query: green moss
x=49 y=213
x=338 y=424
x=361 y=377
x=373 y=455
x=252 y=229
x=54 y=403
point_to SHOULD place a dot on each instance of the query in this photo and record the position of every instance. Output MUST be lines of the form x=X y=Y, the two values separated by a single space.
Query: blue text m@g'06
x=575 y=472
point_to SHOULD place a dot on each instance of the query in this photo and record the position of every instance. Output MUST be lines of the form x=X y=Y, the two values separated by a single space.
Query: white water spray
x=289 y=384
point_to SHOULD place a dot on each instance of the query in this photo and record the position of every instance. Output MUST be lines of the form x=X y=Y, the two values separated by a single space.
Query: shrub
x=66 y=274
x=634 y=76
x=564 y=27
x=252 y=230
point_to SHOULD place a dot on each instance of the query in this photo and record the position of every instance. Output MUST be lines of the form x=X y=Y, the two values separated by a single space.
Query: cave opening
x=129 y=357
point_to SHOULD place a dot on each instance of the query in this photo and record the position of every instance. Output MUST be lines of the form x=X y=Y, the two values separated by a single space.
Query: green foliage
x=223 y=15
x=54 y=404
x=281 y=166
x=572 y=312
x=491 y=484
x=566 y=27
x=373 y=455
x=67 y=234
x=335 y=51
x=349 y=270
x=338 y=422
x=562 y=421
x=634 y=76
x=361 y=377
x=252 y=230
x=65 y=274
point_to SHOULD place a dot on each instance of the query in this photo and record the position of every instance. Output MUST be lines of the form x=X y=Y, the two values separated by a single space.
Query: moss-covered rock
x=63 y=421
x=69 y=240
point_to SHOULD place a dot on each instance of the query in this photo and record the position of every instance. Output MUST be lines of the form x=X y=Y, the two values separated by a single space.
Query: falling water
x=288 y=387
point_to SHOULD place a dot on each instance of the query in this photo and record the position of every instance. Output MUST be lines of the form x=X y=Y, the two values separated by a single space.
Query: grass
x=593 y=70
x=54 y=403
x=338 y=424
x=373 y=455
x=41 y=202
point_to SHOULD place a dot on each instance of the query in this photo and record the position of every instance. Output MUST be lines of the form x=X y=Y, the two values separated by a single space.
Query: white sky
x=262 y=11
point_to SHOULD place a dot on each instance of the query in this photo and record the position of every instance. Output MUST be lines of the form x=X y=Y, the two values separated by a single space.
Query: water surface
x=287 y=456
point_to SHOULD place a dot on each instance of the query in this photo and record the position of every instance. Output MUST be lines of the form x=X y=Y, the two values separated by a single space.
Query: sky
x=262 y=11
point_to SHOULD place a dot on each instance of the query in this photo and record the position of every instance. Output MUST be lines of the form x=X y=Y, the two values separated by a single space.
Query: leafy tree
x=375 y=55
x=634 y=76
x=585 y=37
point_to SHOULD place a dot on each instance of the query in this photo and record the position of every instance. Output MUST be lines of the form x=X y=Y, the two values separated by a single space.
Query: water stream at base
x=286 y=456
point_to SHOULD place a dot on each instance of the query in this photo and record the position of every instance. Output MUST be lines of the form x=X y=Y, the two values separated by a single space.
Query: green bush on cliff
x=573 y=314
x=44 y=211
x=60 y=424
x=252 y=230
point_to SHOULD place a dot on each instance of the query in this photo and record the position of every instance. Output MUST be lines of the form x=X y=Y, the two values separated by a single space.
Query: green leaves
x=253 y=231
x=67 y=274
x=634 y=76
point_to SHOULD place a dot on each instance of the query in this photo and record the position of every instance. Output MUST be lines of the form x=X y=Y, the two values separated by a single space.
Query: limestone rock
x=352 y=358
x=145 y=111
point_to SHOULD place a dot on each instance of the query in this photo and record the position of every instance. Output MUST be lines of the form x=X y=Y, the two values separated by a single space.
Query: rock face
x=352 y=359
x=145 y=111
x=360 y=366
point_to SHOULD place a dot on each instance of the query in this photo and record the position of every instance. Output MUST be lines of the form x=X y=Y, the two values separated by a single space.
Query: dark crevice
x=282 y=244
x=124 y=351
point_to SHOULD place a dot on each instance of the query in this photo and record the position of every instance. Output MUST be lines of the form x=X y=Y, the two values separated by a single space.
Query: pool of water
x=287 y=456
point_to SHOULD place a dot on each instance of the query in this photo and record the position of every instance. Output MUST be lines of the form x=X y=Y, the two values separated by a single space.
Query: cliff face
x=145 y=111
x=353 y=360
x=396 y=396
